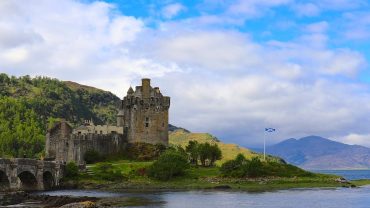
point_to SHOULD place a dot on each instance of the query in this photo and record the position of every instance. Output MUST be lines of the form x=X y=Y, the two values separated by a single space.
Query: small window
x=79 y=133
x=163 y=124
x=101 y=132
x=147 y=122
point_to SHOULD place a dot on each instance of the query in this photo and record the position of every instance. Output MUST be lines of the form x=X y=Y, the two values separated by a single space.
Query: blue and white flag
x=270 y=129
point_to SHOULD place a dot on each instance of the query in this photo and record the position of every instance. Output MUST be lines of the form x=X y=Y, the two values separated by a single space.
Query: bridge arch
x=48 y=180
x=28 y=181
x=4 y=181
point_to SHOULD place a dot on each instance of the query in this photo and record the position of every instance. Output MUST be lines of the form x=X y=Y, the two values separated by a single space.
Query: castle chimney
x=145 y=87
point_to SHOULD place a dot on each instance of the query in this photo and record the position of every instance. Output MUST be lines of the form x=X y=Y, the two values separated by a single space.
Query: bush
x=241 y=167
x=170 y=164
x=71 y=170
x=106 y=172
x=92 y=156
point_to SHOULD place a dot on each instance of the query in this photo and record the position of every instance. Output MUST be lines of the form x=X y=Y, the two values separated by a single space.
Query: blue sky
x=231 y=67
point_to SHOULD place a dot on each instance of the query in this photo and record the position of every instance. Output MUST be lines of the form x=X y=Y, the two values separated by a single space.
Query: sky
x=231 y=67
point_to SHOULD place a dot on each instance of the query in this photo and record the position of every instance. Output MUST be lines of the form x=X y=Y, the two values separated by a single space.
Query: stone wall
x=72 y=147
x=104 y=144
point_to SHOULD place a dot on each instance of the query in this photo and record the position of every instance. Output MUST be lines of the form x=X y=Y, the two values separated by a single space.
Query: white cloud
x=72 y=40
x=356 y=25
x=221 y=80
x=254 y=8
x=172 y=10
x=356 y=139
x=306 y=9
x=318 y=27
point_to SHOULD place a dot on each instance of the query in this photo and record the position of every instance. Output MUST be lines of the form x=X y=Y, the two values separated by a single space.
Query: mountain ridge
x=315 y=152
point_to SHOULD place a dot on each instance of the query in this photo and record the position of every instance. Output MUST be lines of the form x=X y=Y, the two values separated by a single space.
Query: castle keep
x=142 y=117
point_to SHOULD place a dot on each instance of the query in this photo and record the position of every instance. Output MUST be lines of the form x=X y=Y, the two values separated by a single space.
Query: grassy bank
x=195 y=178
x=361 y=182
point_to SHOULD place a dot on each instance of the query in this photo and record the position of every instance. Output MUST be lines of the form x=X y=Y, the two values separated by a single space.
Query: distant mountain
x=172 y=128
x=314 y=152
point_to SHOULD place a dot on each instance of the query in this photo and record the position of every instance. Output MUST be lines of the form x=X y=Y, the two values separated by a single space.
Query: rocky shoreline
x=33 y=200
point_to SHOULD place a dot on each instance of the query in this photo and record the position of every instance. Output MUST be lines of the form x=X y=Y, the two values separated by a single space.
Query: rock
x=85 y=204
x=341 y=180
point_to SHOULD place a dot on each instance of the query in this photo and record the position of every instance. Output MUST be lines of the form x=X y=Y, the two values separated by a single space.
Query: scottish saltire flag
x=270 y=129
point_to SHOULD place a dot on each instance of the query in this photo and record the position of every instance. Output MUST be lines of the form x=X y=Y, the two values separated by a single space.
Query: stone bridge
x=29 y=174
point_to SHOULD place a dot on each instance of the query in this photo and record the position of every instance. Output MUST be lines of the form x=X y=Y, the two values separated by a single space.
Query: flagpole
x=267 y=130
x=264 y=147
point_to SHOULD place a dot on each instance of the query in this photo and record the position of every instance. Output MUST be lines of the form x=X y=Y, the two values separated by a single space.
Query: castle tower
x=121 y=118
x=145 y=114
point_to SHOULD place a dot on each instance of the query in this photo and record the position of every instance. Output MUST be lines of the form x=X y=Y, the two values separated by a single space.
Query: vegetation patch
x=170 y=164
x=241 y=167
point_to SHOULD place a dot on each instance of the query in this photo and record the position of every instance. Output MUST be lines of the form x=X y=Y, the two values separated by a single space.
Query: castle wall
x=56 y=140
x=98 y=129
x=104 y=144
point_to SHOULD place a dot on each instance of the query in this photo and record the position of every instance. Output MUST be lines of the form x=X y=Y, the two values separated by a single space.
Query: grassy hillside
x=229 y=151
x=28 y=105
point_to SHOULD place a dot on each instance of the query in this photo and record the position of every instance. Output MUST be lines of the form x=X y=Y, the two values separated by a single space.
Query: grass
x=361 y=182
x=229 y=151
x=196 y=178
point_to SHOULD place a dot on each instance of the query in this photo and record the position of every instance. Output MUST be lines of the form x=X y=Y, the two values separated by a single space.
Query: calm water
x=293 y=198
x=348 y=174
x=310 y=198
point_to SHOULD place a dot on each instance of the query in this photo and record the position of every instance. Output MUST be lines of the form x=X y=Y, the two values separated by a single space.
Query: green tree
x=170 y=164
x=192 y=150
x=215 y=154
x=71 y=170
x=204 y=153
x=208 y=153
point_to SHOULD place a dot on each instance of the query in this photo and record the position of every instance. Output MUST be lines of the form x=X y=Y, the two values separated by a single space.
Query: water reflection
x=327 y=198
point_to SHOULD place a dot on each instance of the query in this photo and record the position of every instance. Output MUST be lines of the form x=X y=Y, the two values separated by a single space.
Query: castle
x=142 y=117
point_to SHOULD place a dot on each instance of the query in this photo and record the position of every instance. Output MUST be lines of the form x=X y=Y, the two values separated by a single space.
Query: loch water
x=292 y=198
x=347 y=174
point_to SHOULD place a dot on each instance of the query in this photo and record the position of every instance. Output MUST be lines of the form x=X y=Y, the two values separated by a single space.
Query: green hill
x=29 y=105
x=229 y=151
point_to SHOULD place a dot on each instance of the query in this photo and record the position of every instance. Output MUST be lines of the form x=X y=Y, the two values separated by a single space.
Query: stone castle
x=142 y=117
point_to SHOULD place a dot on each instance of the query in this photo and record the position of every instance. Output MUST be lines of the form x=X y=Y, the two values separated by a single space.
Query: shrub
x=254 y=168
x=241 y=167
x=107 y=172
x=92 y=156
x=170 y=164
x=144 y=151
x=71 y=170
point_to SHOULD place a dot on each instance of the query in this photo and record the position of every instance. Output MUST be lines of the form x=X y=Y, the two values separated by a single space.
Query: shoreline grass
x=197 y=178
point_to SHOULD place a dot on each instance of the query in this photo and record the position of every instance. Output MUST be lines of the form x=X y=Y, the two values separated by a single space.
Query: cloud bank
x=222 y=78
